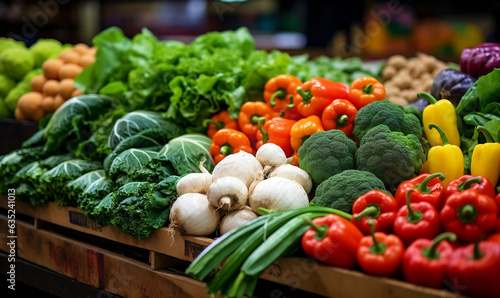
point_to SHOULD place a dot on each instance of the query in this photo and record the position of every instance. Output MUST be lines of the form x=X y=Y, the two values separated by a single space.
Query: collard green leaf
x=137 y=121
x=130 y=161
x=68 y=125
x=76 y=187
x=186 y=152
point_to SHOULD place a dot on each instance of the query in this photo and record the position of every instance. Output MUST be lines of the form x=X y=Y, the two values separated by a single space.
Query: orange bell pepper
x=340 y=115
x=366 y=90
x=279 y=92
x=219 y=121
x=276 y=131
x=249 y=116
x=227 y=141
x=304 y=128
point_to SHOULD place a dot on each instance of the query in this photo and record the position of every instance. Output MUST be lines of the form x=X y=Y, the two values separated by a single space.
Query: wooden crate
x=166 y=250
x=99 y=267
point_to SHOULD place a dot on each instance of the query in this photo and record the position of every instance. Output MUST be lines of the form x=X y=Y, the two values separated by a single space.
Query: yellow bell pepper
x=485 y=159
x=447 y=159
x=442 y=113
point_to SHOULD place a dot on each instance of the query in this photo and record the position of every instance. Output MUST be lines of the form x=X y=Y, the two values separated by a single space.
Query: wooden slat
x=101 y=268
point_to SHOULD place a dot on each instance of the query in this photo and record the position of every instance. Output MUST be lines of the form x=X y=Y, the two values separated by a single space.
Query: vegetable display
x=271 y=155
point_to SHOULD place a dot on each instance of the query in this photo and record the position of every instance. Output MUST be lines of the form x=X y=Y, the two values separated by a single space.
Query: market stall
x=139 y=166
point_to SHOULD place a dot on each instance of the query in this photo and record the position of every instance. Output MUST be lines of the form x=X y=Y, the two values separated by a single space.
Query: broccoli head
x=16 y=62
x=341 y=190
x=390 y=155
x=326 y=153
x=387 y=113
x=45 y=49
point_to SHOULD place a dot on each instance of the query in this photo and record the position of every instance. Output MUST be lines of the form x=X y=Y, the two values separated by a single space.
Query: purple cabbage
x=480 y=60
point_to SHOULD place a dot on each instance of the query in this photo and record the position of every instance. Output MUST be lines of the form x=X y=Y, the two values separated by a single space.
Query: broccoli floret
x=16 y=62
x=341 y=190
x=390 y=155
x=388 y=113
x=45 y=49
x=6 y=84
x=326 y=153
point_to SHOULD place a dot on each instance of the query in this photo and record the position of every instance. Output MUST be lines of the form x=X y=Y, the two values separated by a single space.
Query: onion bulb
x=293 y=173
x=227 y=193
x=194 y=182
x=236 y=218
x=241 y=165
x=192 y=214
x=278 y=194
x=270 y=156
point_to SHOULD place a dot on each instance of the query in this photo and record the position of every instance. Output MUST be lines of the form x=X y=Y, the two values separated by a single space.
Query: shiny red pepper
x=469 y=214
x=333 y=240
x=427 y=188
x=377 y=207
x=425 y=261
x=478 y=183
x=380 y=253
x=315 y=95
x=416 y=220
x=494 y=237
x=474 y=269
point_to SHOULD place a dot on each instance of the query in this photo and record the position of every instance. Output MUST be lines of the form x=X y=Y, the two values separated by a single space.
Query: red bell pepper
x=333 y=240
x=279 y=92
x=474 y=269
x=469 y=214
x=497 y=200
x=219 y=121
x=377 y=207
x=416 y=220
x=380 y=253
x=494 y=237
x=425 y=261
x=428 y=188
x=478 y=183
x=276 y=131
x=339 y=114
x=313 y=96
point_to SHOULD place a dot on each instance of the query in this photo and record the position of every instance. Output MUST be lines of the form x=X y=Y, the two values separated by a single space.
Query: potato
x=86 y=60
x=403 y=81
x=51 y=68
x=397 y=61
x=398 y=99
x=37 y=83
x=81 y=48
x=58 y=101
x=70 y=56
x=19 y=115
x=48 y=104
x=77 y=92
x=66 y=88
x=388 y=72
x=69 y=71
x=30 y=105
x=50 y=88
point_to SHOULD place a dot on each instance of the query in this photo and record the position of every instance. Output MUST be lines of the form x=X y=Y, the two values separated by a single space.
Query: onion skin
x=192 y=214
x=194 y=183
x=227 y=193
x=293 y=173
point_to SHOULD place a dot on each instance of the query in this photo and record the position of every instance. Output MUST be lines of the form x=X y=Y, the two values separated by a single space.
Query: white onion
x=194 y=182
x=227 y=193
x=278 y=194
x=293 y=173
x=192 y=214
x=270 y=156
x=236 y=218
x=241 y=165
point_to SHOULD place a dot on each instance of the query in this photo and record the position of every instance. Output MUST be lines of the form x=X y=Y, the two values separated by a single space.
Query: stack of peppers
x=429 y=234
x=290 y=112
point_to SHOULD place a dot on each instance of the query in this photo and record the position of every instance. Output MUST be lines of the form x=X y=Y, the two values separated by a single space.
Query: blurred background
x=367 y=29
